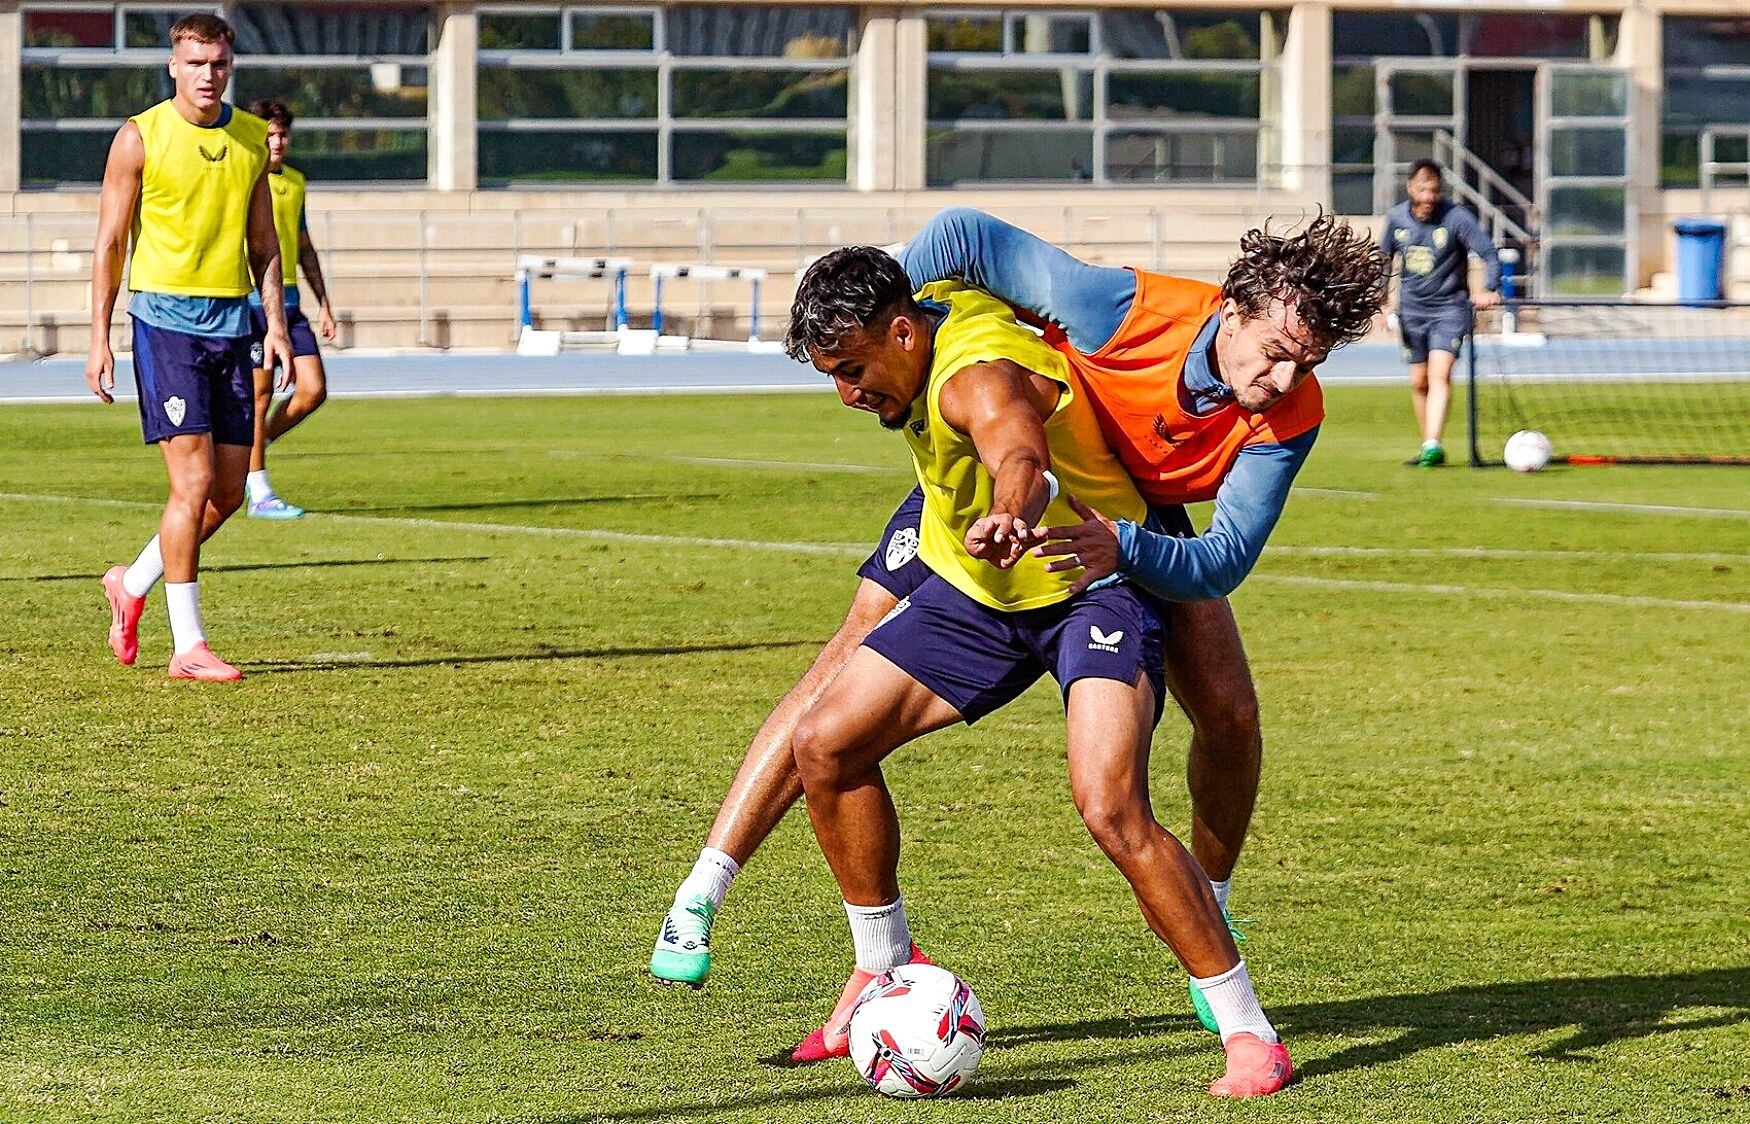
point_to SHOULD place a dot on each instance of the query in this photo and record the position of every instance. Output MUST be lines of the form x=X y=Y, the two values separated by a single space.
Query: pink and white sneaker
x=1255 y=1068
x=124 y=616
x=200 y=663
x=833 y=1040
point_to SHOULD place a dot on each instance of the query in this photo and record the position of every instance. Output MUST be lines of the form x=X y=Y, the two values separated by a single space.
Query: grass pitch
x=410 y=868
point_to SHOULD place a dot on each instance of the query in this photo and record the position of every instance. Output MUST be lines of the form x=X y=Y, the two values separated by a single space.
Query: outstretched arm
x=990 y=403
x=1088 y=302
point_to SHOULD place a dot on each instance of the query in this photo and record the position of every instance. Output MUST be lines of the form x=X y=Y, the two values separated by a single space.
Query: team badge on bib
x=902 y=547
x=174 y=409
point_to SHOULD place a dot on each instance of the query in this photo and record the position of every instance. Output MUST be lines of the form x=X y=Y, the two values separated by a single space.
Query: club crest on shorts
x=257 y=353
x=902 y=547
x=175 y=409
x=1103 y=642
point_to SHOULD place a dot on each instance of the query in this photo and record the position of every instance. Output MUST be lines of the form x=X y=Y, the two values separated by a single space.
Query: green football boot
x=683 y=948
x=1432 y=455
x=1200 y=1004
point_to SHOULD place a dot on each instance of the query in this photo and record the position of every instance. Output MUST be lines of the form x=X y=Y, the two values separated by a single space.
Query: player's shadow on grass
x=1595 y=1011
x=553 y=501
x=244 y=567
x=271 y=667
x=1011 y=1087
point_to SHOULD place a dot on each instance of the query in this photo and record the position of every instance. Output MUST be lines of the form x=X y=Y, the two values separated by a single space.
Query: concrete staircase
x=427 y=270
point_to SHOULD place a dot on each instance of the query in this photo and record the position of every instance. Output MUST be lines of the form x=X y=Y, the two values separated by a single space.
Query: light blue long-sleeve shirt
x=1089 y=303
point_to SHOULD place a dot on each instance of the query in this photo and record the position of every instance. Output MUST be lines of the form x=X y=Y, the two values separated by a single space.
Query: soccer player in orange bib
x=1204 y=392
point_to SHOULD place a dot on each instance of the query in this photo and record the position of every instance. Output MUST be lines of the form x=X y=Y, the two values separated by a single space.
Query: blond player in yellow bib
x=187 y=179
x=309 y=379
x=1000 y=434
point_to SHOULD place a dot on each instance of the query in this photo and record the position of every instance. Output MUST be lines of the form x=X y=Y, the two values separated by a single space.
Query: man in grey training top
x=1435 y=303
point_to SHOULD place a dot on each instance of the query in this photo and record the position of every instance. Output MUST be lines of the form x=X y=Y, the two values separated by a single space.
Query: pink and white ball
x=916 y=1031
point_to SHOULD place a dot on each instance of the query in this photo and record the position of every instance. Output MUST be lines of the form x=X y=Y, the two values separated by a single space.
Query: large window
x=354 y=76
x=1124 y=96
x=1707 y=89
x=664 y=95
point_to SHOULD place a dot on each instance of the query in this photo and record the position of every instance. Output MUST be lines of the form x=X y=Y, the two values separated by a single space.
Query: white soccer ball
x=1526 y=451
x=916 y=1031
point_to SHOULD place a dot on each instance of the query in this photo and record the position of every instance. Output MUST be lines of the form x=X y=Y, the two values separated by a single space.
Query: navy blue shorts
x=1437 y=329
x=978 y=659
x=193 y=384
x=895 y=565
x=297 y=327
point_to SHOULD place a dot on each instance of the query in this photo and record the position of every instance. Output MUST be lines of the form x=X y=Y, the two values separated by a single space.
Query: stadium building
x=444 y=139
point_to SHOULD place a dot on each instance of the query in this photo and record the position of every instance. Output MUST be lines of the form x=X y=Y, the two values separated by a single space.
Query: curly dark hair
x=1331 y=274
x=273 y=111
x=858 y=288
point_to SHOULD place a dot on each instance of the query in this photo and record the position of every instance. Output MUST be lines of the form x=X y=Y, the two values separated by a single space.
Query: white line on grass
x=851 y=550
x=1625 y=600
x=1502 y=552
x=736 y=462
x=1633 y=508
x=1337 y=493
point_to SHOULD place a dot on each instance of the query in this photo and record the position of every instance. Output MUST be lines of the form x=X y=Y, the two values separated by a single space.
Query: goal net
x=1614 y=382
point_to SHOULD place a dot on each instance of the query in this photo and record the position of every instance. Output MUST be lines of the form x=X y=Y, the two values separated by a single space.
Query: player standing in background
x=1206 y=393
x=1434 y=298
x=190 y=175
x=309 y=379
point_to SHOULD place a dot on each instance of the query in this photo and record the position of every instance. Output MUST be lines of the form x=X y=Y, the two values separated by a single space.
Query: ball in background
x=916 y=1031
x=1526 y=451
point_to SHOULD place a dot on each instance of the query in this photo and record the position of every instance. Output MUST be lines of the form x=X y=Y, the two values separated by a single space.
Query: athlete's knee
x=311 y=394
x=225 y=496
x=822 y=746
x=1120 y=821
x=1227 y=722
x=1419 y=379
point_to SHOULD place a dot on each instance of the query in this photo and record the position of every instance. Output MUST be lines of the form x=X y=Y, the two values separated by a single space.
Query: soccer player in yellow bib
x=1000 y=435
x=188 y=178
x=309 y=380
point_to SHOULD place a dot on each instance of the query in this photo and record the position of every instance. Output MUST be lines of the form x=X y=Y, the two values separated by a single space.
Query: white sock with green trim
x=1235 y=1005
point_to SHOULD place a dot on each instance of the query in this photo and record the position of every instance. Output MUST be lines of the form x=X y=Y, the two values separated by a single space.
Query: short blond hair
x=202 y=27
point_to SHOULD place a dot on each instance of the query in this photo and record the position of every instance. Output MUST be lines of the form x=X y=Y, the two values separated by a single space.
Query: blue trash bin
x=1701 y=256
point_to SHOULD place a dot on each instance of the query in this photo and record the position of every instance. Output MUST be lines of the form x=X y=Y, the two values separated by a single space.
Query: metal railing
x=1712 y=169
x=1464 y=164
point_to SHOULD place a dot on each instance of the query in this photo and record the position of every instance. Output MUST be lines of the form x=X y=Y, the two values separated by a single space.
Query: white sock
x=882 y=937
x=1221 y=890
x=710 y=878
x=185 y=614
x=1235 y=1005
x=146 y=570
x=259 y=488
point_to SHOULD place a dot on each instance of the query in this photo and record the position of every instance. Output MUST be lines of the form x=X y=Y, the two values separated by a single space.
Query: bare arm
x=312 y=267
x=264 y=263
x=1002 y=407
x=115 y=215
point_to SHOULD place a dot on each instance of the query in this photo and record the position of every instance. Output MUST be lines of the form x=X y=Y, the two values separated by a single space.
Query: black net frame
x=1613 y=382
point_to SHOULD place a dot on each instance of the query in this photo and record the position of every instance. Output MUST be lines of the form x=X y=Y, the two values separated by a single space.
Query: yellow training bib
x=192 y=221
x=287 y=188
x=957 y=487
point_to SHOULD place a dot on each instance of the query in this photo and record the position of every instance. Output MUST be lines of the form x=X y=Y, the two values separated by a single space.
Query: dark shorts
x=895 y=565
x=297 y=327
x=193 y=384
x=978 y=659
x=1436 y=329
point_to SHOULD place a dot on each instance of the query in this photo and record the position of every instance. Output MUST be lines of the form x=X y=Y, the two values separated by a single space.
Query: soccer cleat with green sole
x=683 y=947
